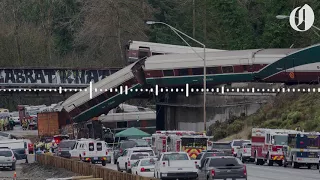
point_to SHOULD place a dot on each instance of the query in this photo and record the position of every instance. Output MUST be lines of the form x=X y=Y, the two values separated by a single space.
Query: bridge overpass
x=183 y=71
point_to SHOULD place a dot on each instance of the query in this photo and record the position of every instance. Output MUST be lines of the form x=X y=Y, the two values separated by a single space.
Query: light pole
x=287 y=17
x=176 y=31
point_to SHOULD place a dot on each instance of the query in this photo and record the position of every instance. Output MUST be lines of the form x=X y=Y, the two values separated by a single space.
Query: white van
x=90 y=150
x=18 y=146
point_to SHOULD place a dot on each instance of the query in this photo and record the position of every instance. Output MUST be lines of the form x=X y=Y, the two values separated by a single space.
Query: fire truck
x=302 y=150
x=267 y=145
x=176 y=141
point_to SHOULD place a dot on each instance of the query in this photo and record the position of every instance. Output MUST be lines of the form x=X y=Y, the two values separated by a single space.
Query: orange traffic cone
x=14 y=175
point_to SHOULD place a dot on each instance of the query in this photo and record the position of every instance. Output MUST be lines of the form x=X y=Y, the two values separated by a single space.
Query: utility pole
x=194 y=19
x=205 y=21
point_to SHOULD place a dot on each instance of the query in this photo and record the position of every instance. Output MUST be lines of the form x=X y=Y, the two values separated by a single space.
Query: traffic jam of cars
x=191 y=155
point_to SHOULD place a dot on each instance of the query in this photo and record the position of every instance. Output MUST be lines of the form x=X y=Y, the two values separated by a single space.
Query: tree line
x=92 y=33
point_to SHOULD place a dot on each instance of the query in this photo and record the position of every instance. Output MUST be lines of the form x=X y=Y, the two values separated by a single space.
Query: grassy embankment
x=287 y=110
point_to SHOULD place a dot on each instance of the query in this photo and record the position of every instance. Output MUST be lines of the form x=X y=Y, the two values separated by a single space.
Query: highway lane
x=280 y=173
x=270 y=173
x=7 y=173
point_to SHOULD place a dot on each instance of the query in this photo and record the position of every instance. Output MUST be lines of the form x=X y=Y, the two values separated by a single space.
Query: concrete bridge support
x=179 y=112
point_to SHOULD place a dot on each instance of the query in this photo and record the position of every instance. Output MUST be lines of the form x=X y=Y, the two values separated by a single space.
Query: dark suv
x=64 y=148
x=126 y=144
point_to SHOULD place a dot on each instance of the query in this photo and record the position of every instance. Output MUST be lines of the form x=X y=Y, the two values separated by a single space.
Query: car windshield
x=150 y=152
x=138 y=156
x=147 y=163
x=67 y=144
x=209 y=154
x=175 y=156
x=280 y=140
x=218 y=162
x=127 y=144
x=5 y=153
x=239 y=143
x=32 y=113
x=221 y=146
x=141 y=142
x=15 y=114
x=199 y=156
x=247 y=146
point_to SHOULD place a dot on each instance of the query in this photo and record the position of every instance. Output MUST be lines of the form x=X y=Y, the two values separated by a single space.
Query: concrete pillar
x=160 y=113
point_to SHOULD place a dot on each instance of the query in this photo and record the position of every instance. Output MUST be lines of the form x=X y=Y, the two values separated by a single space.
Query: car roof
x=5 y=149
x=222 y=157
x=227 y=142
x=240 y=140
x=174 y=153
x=140 y=148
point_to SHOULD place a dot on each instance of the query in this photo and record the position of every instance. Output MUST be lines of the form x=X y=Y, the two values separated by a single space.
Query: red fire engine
x=175 y=141
x=267 y=144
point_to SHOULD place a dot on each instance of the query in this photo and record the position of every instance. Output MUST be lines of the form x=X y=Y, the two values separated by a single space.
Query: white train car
x=222 y=67
x=105 y=94
x=140 y=49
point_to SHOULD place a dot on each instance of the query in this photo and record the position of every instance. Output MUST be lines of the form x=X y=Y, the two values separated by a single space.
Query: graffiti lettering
x=52 y=76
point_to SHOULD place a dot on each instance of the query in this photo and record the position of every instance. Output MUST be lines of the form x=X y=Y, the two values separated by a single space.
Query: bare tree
x=107 y=26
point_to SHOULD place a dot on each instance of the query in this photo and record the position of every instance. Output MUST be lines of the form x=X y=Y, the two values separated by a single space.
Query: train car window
x=102 y=97
x=197 y=71
x=154 y=53
x=246 y=68
x=168 y=73
x=92 y=102
x=212 y=70
x=82 y=108
x=227 y=69
x=183 y=72
x=143 y=53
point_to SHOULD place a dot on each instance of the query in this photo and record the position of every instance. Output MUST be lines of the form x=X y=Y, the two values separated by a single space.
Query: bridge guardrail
x=86 y=169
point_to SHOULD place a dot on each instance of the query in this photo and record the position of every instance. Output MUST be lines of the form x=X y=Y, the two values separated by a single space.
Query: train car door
x=246 y=66
x=289 y=72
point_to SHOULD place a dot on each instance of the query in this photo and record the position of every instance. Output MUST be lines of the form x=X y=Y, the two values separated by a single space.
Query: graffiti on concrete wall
x=52 y=76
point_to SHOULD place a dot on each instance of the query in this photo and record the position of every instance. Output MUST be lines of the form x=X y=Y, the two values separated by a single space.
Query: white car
x=175 y=165
x=123 y=161
x=7 y=158
x=15 y=117
x=244 y=154
x=236 y=144
x=134 y=158
x=144 y=167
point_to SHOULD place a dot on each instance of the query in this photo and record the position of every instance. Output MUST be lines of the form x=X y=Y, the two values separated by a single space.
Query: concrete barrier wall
x=86 y=169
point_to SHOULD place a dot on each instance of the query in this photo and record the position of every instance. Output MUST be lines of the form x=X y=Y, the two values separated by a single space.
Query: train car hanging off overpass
x=180 y=69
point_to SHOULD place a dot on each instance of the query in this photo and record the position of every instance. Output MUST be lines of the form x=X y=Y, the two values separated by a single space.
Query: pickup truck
x=175 y=165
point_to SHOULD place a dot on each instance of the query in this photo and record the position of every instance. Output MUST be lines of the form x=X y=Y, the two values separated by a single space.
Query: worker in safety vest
x=48 y=146
x=2 y=124
x=6 y=123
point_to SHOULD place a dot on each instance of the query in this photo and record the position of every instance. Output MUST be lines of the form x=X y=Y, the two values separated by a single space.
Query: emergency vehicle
x=176 y=141
x=302 y=150
x=267 y=145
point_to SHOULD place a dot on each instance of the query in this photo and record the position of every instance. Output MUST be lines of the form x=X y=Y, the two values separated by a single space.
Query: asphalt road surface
x=8 y=173
x=271 y=173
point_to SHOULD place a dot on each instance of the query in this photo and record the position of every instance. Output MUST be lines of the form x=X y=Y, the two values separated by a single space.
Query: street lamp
x=287 y=17
x=176 y=31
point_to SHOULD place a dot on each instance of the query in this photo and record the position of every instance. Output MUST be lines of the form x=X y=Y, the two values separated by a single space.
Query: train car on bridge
x=139 y=49
x=106 y=94
x=221 y=67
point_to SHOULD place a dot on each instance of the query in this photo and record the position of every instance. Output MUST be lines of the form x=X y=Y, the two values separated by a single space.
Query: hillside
x=87 y=33
x=287 y=110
